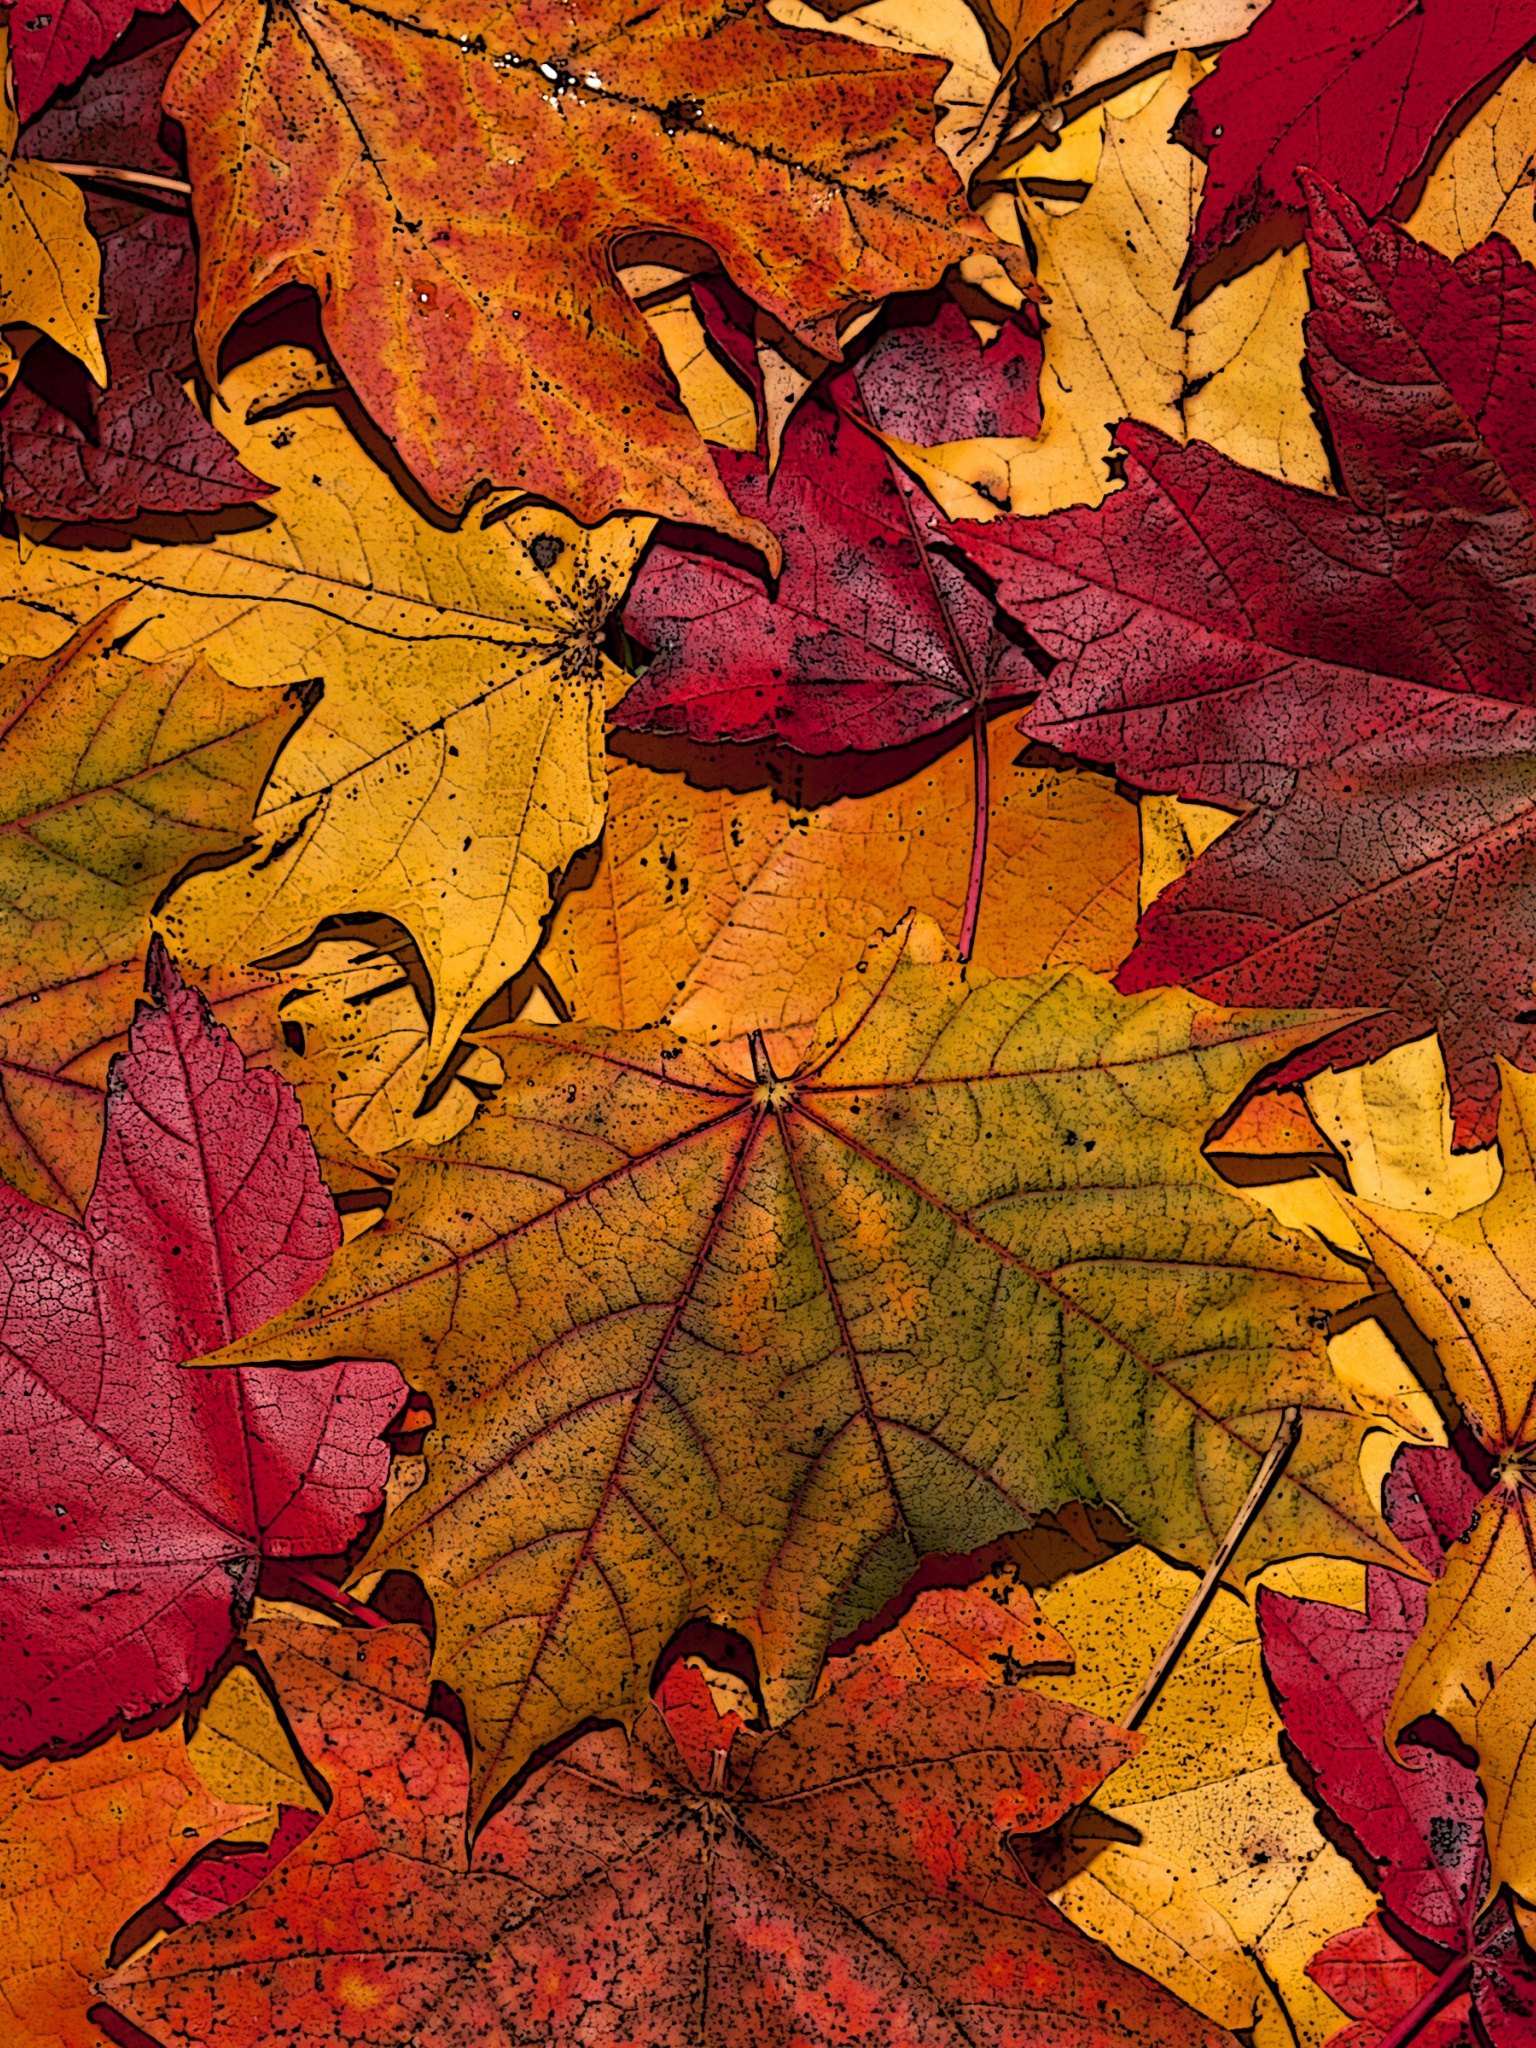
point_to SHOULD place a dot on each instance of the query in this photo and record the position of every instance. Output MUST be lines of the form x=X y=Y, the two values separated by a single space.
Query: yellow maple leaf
x=1229 y=373
x=455 y=761
x=1469 y=1282
x=50 y=265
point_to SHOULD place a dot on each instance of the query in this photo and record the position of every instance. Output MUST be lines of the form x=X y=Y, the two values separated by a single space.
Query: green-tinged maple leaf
x=704 y=1344
x=115 y=773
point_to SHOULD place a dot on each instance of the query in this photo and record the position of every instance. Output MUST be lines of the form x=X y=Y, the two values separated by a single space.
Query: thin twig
x=113 y=175
x=982 y=801
x=327 y=1591
x=1275 y=1459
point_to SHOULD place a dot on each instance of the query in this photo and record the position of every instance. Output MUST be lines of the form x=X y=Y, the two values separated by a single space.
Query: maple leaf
x=871 y=641
x=50 y=268
x=1200 y=1861
x=1469 y=1282
x=1117 y=341
x=1413 y=1821
x=841 y=1877
x=83 y=1844
x=115 y=773
x=722 y=913
x=699 y=1342
x=1416 y=1816
x=1393 y=1996
x=937 y=380
x=455 y=760
x=140 y=1500
x=1359 y=100
x=420 y=129
x=54 y=46
x=141 y=445
x=1335 y=669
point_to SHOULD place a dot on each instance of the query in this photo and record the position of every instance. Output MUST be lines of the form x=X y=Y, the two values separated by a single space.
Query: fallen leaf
x=115 y=773
x=141 y=1499
x=241 y=1753
x=829 y=1882
x=936 y=380
x=1417 y=1816
x=699 y=1344
x=1378 y=1983
x=52 y=47
x=50 y=267
x=1357 y=100
x=1226 y=1888
x=466 y=346
x=1469 y=1283
x=870 y=641
x=82 y=1845
x=1411 y=1822
x=455 y=760
x=222 y=1877
x=1482 y=186
x=1385 y=837
x=988 y=1633
x=721 y=913
x=1228 y=373
x=141 y=445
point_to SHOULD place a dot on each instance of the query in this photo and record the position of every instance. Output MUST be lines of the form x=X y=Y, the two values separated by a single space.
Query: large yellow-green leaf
x=704 y=1343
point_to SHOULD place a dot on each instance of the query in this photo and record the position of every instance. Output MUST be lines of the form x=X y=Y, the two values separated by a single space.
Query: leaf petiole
x=978 y=835
x=358 y=1610
x=1413 y=2020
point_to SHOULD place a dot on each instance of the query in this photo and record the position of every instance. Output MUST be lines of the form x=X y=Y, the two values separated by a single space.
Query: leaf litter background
x=765 y=821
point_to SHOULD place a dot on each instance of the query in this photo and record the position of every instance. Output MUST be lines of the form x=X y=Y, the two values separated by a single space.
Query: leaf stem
x=1413 y=2020
x=112 y=174
x=1276 y=1458
x=358 y=1610
x=978 y=833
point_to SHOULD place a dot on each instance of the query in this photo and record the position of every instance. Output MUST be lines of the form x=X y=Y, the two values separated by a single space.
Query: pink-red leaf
x=52 y=45
x=67 y=450
x=1333 y=665
x=872 y=639
x=139 y=1499
x=1358 y=94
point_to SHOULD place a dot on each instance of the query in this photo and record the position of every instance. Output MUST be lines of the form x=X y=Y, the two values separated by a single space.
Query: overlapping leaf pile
x=610 y=621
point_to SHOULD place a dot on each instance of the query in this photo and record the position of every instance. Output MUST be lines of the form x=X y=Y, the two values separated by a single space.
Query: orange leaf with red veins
x=841 y=1880
x=457 y=185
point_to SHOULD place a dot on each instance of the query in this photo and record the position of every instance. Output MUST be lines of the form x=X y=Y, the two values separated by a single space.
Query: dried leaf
x=1228 y=373
x=842 y=1879
x=416 y=129
x=83 y=1844
x=697 y=1344
x=50 y=268
x=454 y=761
x=1354 y=689
x=1469 y=1283
x=1229 y=1887
x=722 y=913
x=144 y=1497
x=142 y=445
x=115 y=773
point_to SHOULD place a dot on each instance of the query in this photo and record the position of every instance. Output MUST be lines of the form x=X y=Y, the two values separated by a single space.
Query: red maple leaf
x=1359 y=94
x=137 y=1500
x=1351 y=672
x=67 y=450
x=839 y=1880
